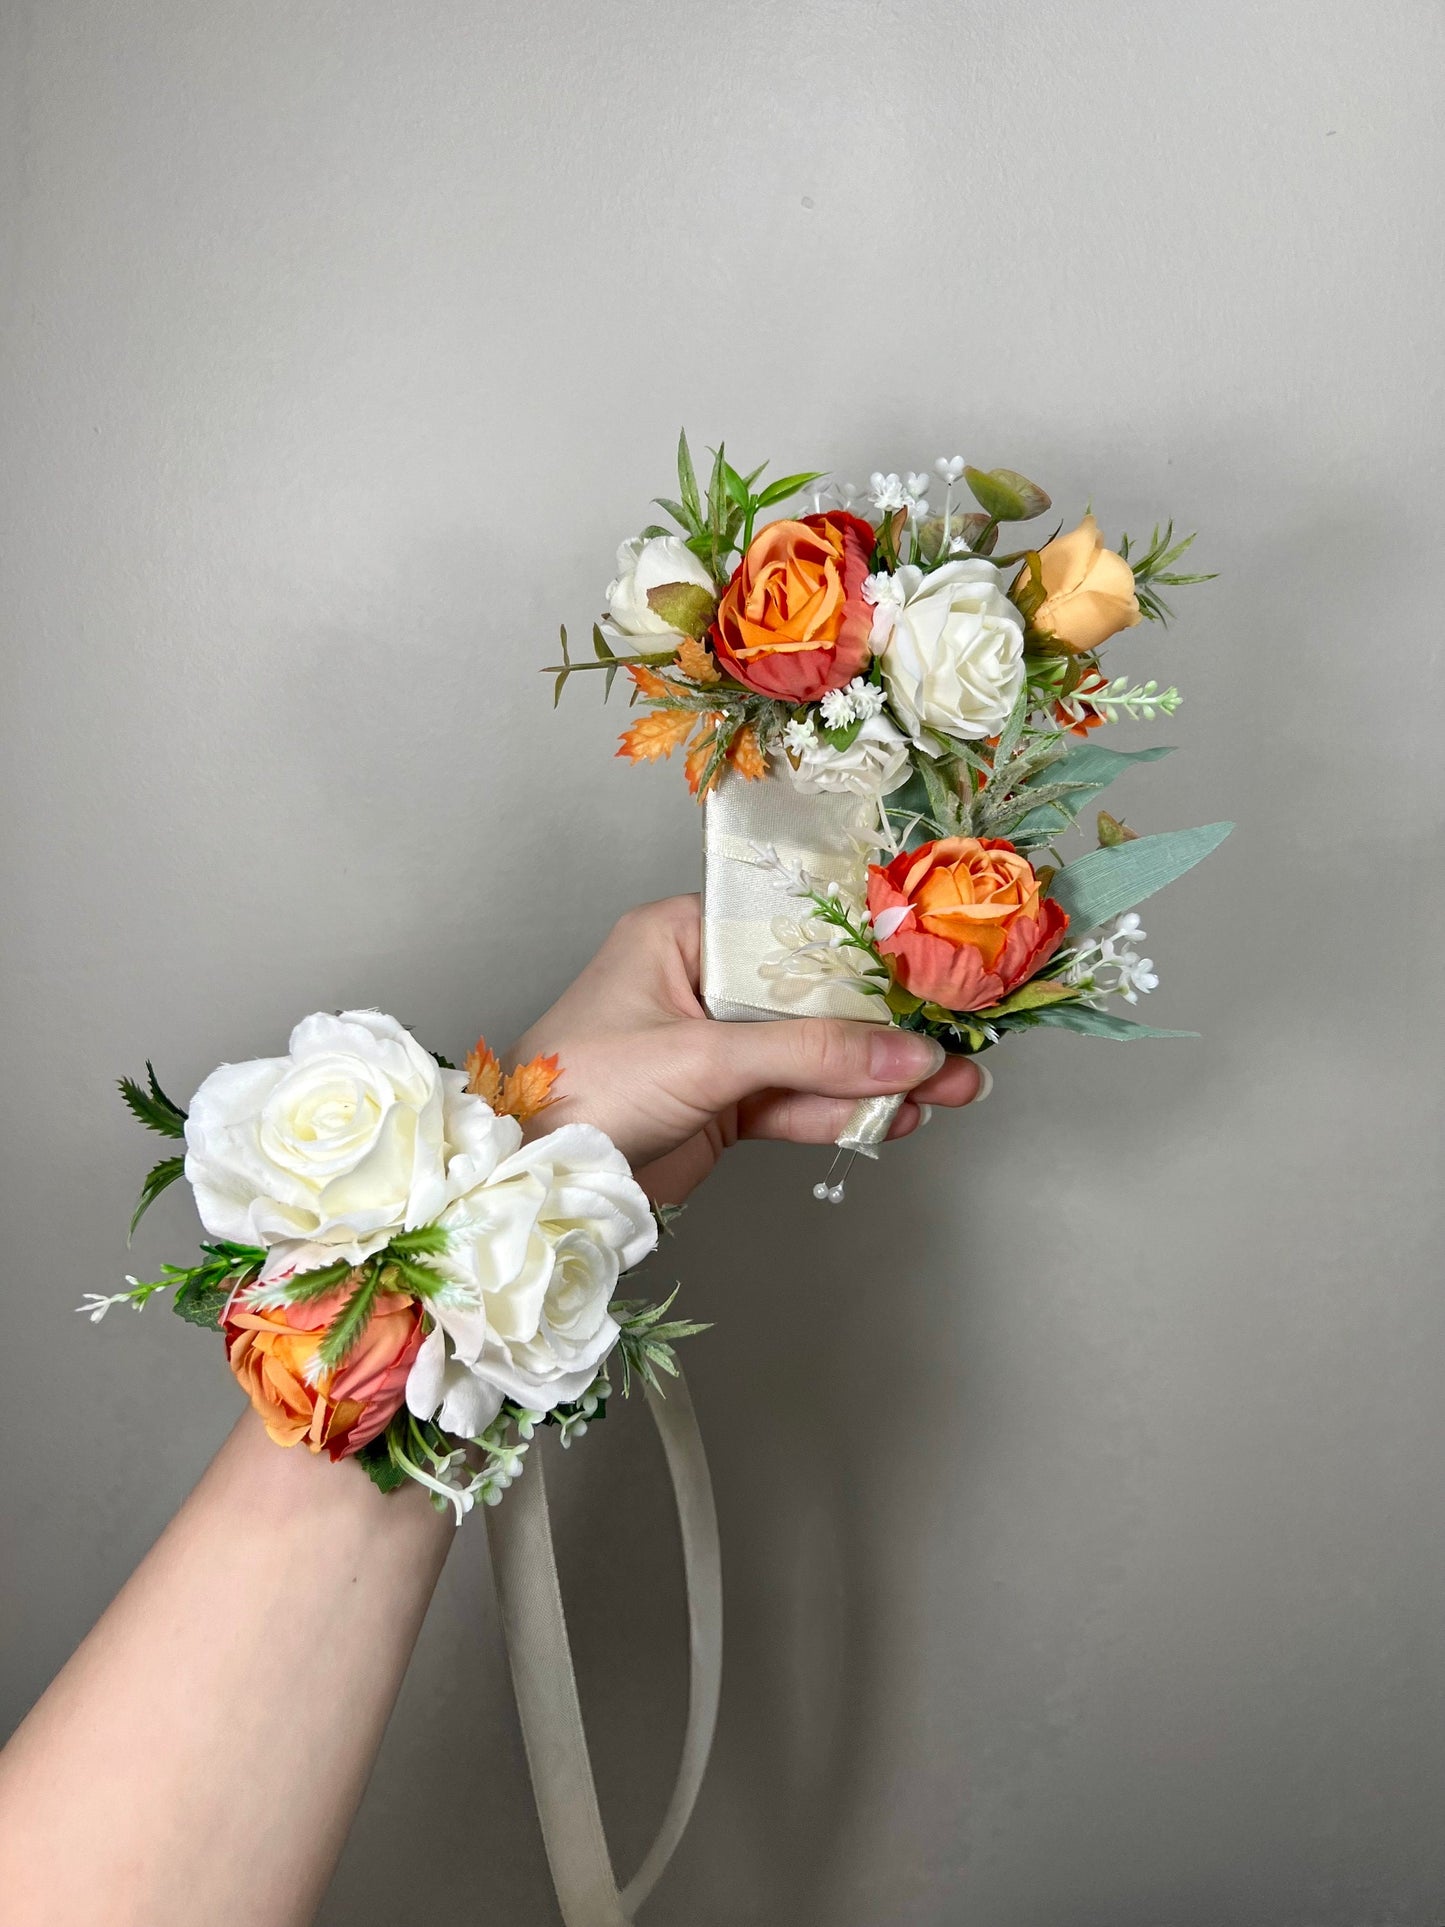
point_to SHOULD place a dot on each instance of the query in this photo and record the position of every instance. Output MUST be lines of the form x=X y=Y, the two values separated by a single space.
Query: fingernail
x=925 y=1115
x=903 y=1057
x=985 y=1082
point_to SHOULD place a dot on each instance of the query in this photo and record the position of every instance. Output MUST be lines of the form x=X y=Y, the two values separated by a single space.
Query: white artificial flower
x=950 y=467
x=651 y=564
x=837 y=709
x=534 y=1255
x=883 y=592
x=875 y=762
x=798 y=734
x=914 y=487
x=953 y=659
x=867 y=698
x=886 y=492
x=1109 y=965
x=327 y=1152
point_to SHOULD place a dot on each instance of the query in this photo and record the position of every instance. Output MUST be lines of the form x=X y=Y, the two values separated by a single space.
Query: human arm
x=201 y=1755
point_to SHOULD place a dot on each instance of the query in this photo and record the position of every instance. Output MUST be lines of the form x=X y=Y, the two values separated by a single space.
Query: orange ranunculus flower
x=792 y=623
x=1088 y=590
x=965 y=920
x=343 y=1409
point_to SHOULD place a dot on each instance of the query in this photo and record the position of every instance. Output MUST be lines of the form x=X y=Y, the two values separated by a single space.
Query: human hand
x=673 y=1088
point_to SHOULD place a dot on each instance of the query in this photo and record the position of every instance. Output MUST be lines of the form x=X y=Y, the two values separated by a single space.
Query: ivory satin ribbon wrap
x=829 y=835
x=529 y=1598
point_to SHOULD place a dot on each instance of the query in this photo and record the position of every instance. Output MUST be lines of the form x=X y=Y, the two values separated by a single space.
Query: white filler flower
x=651 y=564
x=535 y=1253
x=952 y=650
x=327 y=1152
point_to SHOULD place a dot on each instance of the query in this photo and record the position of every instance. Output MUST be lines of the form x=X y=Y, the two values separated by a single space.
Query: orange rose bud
x=792 y=623
x=1088 y=590
x=966 y=920
x=341 y=1410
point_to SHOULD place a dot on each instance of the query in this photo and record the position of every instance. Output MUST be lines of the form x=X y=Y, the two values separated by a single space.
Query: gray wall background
x=1081 y=1482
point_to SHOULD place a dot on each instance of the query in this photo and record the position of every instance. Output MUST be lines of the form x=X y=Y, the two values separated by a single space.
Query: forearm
x=202 y=1754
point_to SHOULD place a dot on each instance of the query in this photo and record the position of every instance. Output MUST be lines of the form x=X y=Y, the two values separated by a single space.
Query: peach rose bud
x=1088 y=590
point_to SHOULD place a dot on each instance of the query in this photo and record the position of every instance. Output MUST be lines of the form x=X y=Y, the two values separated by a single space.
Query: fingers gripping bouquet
x=398 y=1276
x=892 y=716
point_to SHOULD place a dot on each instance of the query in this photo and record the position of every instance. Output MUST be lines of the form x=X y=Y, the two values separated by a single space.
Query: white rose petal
x=875 y=762
x=327 y=1152
x=651 y=564
x=953 y=659
x=536 y=1250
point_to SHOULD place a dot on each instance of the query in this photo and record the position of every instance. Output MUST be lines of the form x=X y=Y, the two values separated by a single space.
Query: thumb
x=717 y=1064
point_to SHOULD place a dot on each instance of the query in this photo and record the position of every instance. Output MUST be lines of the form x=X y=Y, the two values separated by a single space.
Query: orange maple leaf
x=656 y=735
x=484 y=1072
x=745 y=754
x=521 y=1093
x=700 y=755
x=695 y=661
x=528 y=1088
x=648 y=683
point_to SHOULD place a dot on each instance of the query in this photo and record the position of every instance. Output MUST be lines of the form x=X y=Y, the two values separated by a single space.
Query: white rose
x=875 y=762
x=535 y=1253
x=952 y=649
x=650 y=565
x=326 y=1153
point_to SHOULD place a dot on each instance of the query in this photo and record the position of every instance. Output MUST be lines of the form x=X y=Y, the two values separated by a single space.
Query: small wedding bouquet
x=894 y=717
x=398 y=1276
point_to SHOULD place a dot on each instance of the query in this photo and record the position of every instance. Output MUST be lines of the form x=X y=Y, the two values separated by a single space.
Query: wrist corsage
x=398 y=1276
x=890 y=714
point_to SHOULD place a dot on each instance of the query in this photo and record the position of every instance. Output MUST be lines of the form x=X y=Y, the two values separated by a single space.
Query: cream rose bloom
x=875 y=762
x=952 y=648
x=651 y=564
x=535 y=1252
x=327 y=1152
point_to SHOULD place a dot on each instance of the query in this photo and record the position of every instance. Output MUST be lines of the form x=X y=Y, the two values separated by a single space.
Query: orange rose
x=343 y=1409
x=965 y=920
x=1088 y=590
x=792 y=623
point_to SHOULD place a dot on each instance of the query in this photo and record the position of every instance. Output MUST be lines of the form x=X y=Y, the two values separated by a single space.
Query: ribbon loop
x=529 y=1598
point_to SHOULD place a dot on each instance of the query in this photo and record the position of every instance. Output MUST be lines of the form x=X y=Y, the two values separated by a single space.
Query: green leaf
x=307 y=1285
x=1030 y=996
x=687 y=484
x=1005 y=495
x=684 y=606
x=902 y=1002
x=202 y=1304
x=843 y=738
x=676 y=511
x=601 y=647
x=942 y=803
x=1105 y=883
x=350 y=1322
x=153 y=1108
x=1101 y=1023
x=157 y=1178
x=376 y=1461
x=785 y=486
x=1094 y=768
x=735 y=486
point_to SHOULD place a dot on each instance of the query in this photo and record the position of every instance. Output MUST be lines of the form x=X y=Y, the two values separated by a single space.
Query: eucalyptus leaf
x=1005 y=495
x=1102 y=885
x=1091 y=766
x=1089 y=1022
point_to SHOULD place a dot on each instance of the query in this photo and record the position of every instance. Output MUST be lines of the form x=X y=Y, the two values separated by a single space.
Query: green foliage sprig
x=1154 y=570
